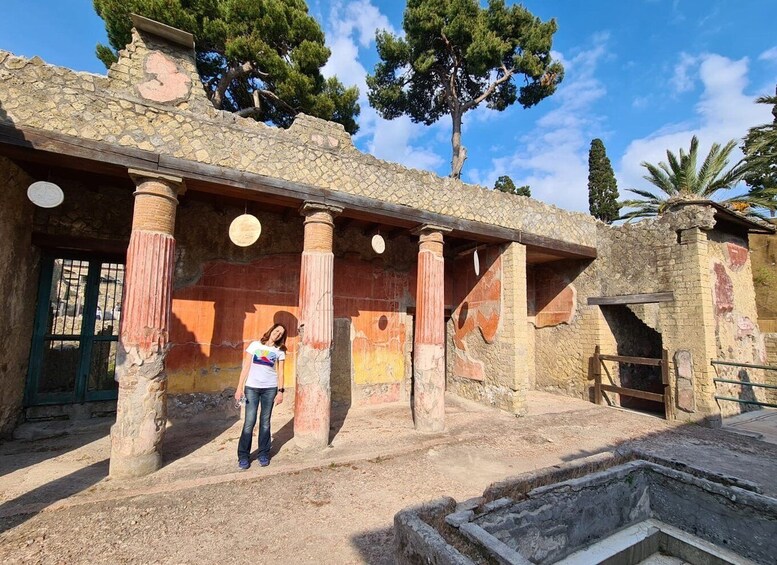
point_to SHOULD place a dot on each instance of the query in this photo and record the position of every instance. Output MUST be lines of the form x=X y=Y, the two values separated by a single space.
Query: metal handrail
x=748 y=365
x=744 y=383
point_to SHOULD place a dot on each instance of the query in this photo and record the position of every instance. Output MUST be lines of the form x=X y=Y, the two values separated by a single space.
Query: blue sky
x=642 y=75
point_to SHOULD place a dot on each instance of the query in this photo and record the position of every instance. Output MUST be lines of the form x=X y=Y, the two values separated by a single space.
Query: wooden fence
x=662 y=363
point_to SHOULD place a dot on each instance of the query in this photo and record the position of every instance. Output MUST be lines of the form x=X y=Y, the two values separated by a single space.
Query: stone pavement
x=326 y=507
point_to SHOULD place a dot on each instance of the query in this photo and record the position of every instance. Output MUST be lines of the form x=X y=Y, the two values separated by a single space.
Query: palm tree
x=760 y=150
x=679 y=180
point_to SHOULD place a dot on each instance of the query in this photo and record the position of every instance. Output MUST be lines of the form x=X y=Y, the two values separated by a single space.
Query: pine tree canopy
x=259 y=58
x=602 y=186
x=456 y=55
x=506 y=184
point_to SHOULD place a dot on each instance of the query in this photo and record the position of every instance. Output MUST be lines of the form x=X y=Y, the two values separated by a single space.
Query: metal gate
x=73 y=353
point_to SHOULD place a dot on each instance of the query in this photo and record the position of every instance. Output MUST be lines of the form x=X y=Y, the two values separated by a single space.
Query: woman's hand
x=238 y=395
x=278 y=398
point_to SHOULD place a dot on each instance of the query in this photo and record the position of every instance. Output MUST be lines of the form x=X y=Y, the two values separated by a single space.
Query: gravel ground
x=331 y=507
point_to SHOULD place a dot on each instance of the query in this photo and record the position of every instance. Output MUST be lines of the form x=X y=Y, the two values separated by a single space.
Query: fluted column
x=314 y=362
x=429 y=335
x=141 y=413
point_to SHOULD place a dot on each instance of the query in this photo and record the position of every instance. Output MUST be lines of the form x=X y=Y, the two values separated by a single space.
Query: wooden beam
x=633 y=360
x=624 y=299
x=116 y=247
x=634 y=393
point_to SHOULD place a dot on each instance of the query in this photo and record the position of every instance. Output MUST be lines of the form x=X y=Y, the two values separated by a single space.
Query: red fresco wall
x=479 y=307
x=373 y=298
x=552 y=300
x=230 y=305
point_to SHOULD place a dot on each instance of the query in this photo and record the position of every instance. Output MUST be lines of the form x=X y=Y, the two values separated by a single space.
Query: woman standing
x=261 y=384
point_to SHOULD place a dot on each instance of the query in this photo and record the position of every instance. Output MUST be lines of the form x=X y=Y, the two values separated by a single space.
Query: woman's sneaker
x=244 y=464
x=264 y=460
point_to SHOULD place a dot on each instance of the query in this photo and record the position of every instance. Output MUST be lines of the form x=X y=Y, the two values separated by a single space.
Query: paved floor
x=335 y=506
x=760 y=424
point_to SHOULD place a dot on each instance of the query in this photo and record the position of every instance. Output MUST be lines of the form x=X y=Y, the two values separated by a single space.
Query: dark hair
x=281 y=343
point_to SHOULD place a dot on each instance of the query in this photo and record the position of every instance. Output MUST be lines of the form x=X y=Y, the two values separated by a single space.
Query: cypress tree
x=602 y=187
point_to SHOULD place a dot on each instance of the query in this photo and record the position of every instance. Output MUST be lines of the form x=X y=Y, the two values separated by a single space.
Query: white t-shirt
x=262 y=372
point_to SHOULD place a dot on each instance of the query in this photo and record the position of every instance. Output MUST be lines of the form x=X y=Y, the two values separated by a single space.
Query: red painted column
x=314 y=363
x=429 y=335
x=141 y=412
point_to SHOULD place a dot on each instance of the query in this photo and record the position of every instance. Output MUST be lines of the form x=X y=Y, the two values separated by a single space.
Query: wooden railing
x=662 y=363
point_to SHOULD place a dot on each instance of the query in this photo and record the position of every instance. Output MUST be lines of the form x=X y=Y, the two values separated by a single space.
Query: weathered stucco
x=19 y=290
x=737 y=337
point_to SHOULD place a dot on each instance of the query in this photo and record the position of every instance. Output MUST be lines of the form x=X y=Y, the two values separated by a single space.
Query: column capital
x=140 y=176
x=309 y=207
x=424 y=229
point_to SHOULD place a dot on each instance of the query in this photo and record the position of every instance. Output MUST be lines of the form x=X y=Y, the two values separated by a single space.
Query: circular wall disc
x=378 y=244
x=245 y=230
x=45 y=194
x=476 y=261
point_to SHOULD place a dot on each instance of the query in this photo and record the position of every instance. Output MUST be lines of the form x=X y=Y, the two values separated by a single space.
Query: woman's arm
x=279 y=369
x=243 y=375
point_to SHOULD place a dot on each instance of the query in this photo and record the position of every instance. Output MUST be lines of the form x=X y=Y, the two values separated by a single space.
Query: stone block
x=683 y=363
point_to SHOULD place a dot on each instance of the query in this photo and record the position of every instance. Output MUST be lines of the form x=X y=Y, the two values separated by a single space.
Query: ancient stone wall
x=18 y=281
x=311 y=152
x=737 y=337
x=486 y=351
x=763 y=254
x=562 y=343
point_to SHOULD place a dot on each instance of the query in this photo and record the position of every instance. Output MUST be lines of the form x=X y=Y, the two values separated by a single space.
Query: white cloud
x=352 y=26
x=553 y=157
x=682 y=81
x=723 y=112
x=769 y=55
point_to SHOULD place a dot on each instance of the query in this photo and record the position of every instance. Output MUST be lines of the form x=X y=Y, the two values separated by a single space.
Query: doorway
x=76 y=332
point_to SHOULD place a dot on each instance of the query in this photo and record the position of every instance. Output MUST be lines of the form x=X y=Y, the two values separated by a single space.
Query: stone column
x=429 y=338
x=141 y=413
x=691 y=321
x=314 y=363
x=518 y=364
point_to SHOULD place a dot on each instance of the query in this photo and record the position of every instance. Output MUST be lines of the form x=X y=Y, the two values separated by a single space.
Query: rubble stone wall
x=19 y=284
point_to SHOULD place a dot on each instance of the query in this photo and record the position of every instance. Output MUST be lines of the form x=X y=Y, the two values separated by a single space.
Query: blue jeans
x=254 y=398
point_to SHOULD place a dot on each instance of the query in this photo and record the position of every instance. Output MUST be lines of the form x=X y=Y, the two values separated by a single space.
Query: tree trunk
x=459 y=152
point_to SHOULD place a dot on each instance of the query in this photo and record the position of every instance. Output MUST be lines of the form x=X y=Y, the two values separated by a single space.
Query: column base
x=429 y=394
x=133 y=466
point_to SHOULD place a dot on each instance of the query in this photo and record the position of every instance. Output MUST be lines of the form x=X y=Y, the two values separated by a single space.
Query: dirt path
x=338 y=509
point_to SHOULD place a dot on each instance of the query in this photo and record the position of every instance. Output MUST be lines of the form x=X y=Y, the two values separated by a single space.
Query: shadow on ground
x=376 y=547
x=29 y=504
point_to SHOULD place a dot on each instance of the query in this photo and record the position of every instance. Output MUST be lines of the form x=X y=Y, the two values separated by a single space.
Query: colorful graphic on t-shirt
x=265 y=357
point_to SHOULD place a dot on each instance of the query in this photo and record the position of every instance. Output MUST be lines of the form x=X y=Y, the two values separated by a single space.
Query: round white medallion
x=245 y=230
x=45 y=194
x=476 y=260
x=378 y=244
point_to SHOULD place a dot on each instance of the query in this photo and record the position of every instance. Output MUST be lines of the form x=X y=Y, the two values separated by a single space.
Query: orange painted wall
x=232 y=304
x=229 y=306
x=374 y=299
